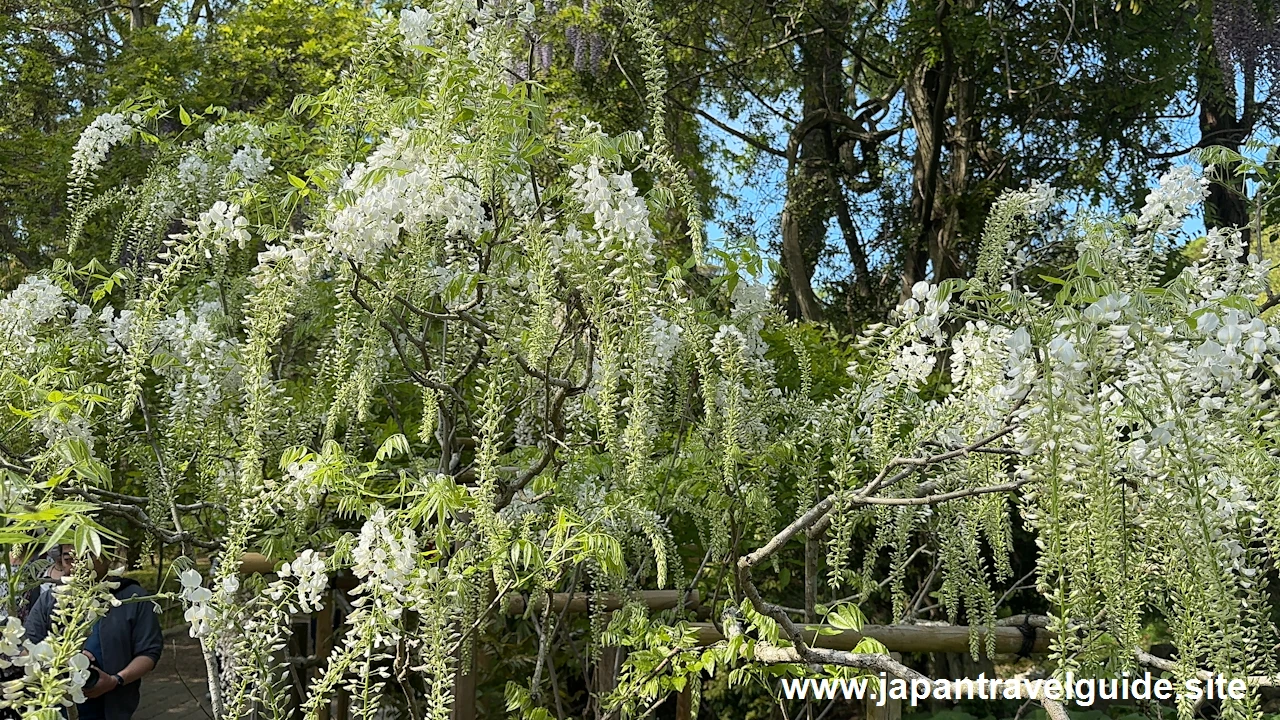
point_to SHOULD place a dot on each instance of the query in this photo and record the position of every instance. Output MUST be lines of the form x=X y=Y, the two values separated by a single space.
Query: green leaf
x=59 y=533
x=846 y=617
x=296 y=181
x=517 y=697
x=184 y=116
x=163 y=360
x=393 y=446
x=40 y=515
x=292 y=456
x=87 y=538
x=524 y=554
x=871 y=645
x=708 y=661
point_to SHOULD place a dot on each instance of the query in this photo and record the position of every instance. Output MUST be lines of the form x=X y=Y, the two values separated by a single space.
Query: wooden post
x=324 y=642
x=342 y=708
x=878 y=709
x=160 y=567
x=684 y=702
x=812 y=547
x=579 y=603
x=464 y=683
x=607 y=677
x=251 y=563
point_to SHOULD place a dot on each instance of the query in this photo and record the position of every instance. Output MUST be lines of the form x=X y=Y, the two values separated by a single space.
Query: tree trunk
x=926 y=93
x=801 y=301
x=810 y=198
x=1221 y=124
x=142 y=15
x=941 y=100
x=944 y=252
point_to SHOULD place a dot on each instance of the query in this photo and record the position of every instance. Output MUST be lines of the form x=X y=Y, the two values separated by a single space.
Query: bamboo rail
x=896 y=638
x=582 y=602
x=911 y=638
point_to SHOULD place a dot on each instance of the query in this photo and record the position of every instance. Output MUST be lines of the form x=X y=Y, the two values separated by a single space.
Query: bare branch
x=751 y=140
x=803 y=655
x=1150 y=660
x=139 y=518
x=487 y=329
x=947 y=496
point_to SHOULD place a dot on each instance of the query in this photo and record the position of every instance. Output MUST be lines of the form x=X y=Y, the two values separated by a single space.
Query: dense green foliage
x=65 y=61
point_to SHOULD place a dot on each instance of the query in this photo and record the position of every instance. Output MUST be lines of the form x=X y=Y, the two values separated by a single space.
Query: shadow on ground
x=176 y=689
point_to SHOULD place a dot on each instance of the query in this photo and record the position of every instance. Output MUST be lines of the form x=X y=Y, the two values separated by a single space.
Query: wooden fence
x=316 y=639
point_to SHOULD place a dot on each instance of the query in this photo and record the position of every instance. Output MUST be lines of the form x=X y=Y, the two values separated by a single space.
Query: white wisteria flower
x=57 y=429
x=194 y=172
x=200 y=612
x=402 y=189
x=250 y=164
x=1041 y=197
x=313 y=579
x=665 y=336
x=106 y=131
x=1106 y=309
x=12 y=641
x=912 y=366
x=221 y=227
x=620 y=216
x=418 y=26
x=33 y=303
x=1177 y=192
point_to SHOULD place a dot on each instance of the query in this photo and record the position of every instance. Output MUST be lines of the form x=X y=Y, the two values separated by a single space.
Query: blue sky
x=759 y=197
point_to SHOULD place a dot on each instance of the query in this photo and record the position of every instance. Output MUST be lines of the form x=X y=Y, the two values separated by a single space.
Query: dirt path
x=176 y=689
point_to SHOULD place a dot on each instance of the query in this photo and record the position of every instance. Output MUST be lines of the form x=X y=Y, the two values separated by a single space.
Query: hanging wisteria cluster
x=442 y=351
x=1246 y=33
x=54 y=670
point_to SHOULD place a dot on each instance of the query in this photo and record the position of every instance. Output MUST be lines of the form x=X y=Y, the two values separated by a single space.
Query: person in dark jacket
x=57 y=562
x=122 y=647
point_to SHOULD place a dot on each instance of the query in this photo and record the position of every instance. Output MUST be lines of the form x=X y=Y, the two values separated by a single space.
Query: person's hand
x=105 y=684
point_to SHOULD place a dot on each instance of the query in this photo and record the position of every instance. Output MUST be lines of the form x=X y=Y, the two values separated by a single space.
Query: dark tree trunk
x=810 y=202
x=927 y=109
x=944 y=251
x=928 y=92
x=1223 y=124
